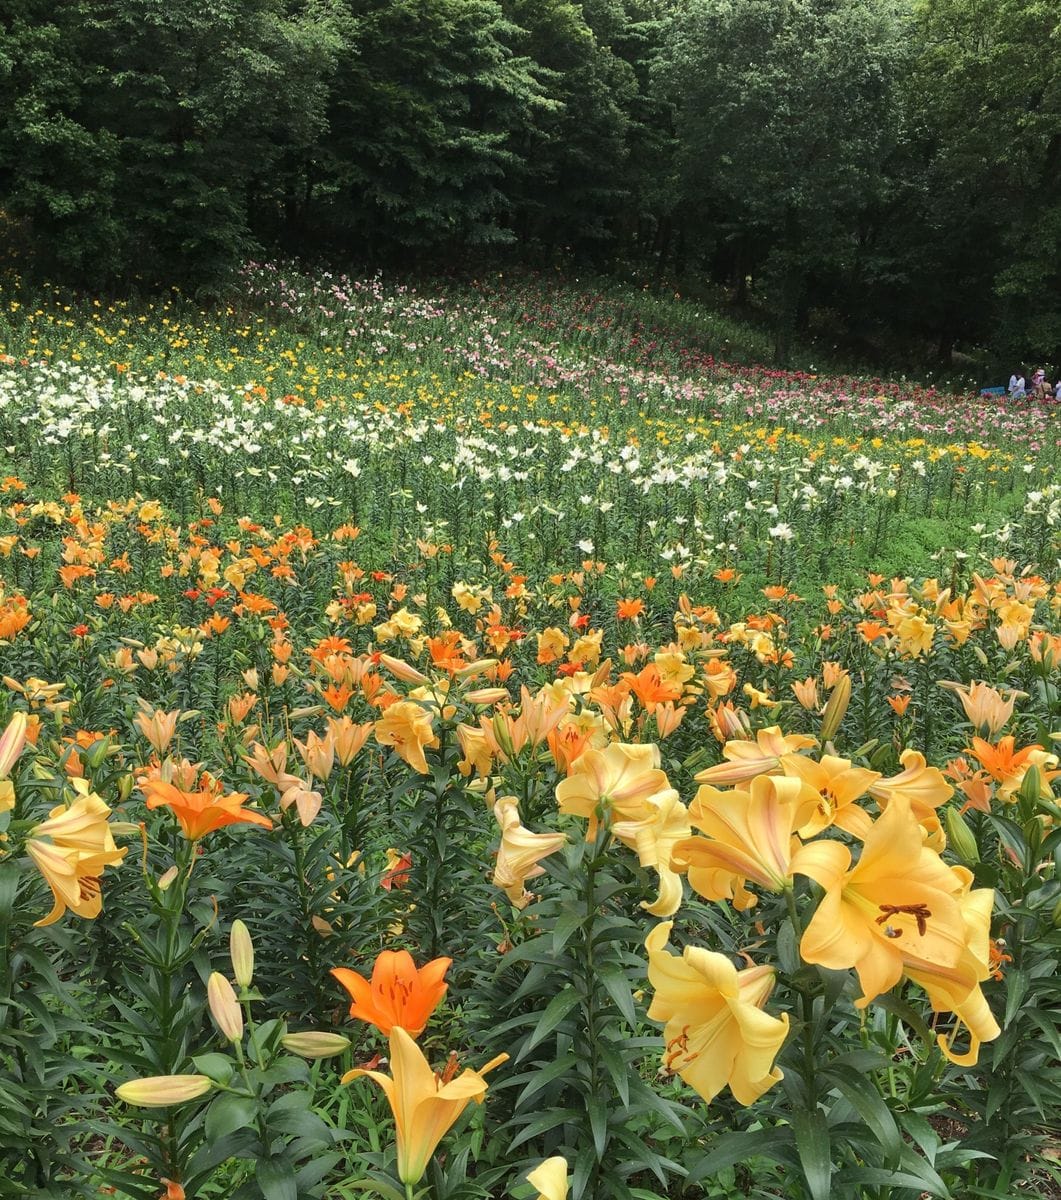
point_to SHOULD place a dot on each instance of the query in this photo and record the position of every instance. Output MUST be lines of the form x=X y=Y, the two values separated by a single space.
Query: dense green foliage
x=890 y=162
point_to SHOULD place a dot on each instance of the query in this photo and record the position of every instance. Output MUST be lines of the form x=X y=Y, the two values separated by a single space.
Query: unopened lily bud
x=163 y=1091
x=125 y=788
x=315 y=1044
x=165 y=880
x=502 y=735
x=479 y=667
x=1031 y=788
x=98 y=754
x=1055 y=916
x=402 y=670
x=224 y=1007
x=960 y=838
x=839 y=699
x=488 y=695
x=11 y=743
x=241 y=950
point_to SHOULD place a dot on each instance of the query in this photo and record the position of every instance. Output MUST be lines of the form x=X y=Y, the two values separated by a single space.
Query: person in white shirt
x=1016 y=386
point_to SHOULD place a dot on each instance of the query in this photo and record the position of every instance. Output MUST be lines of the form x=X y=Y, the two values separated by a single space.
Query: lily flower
x=622 y=776
x=1007 y=766
x=71 y=850
x=839 y=785
x=957 y=989
x=653 y=833
x=923 y=787
x=899 y=900
x=347 y=738
x=157 y=726
x=745 y=759
x=985 y=706
x=406 y=726
x=520 y=852
x=400 y=994
x=550 y=1178
x=424 y=1104
x=201 y=812
x=715 y=1029
x=749 y=835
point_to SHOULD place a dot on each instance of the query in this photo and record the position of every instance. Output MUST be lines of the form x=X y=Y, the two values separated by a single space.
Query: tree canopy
x=897 y=161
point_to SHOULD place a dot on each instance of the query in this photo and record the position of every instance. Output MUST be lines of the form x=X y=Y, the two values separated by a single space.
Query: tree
x=427 y=103
x=784 y=111
x=57 y=171
x=989 y=83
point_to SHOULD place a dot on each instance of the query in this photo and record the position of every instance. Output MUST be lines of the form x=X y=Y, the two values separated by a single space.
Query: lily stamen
x=677 y=1047
x=920 y=913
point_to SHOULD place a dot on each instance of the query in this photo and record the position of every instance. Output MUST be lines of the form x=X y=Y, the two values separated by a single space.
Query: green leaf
x=378 y=1185
x=276 y=1178
x=9 y=876
x=542 y=1123
x=733 y=1148
x=860 y=1093
x=597 y=1108
x=1016 y=990
x=908 y=1015
x=555 y=1011
x=228 y=1113
x=618 y=987
x=217 y=1066
x=815 y=1152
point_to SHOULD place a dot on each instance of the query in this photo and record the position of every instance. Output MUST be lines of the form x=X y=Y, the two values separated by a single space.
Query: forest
x=889 y=169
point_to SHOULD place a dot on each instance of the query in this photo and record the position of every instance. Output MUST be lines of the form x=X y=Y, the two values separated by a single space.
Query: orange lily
x=400 y=994
x=201 y=812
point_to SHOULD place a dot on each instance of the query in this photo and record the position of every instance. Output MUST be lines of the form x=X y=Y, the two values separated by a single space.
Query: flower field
x=478 y=740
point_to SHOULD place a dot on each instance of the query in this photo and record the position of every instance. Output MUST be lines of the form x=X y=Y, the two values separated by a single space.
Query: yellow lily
x=71 y=850
x=12 y=741
x=550 y=1178
x=406 y=726
x=164 y=1091
x=520 y=852
x=957 y=989
x=653 y=833
x=839 y=785
x=749 y=835
x=745 y=759
x=900 y=899
x=621 y=776
x=923 y=787
x=716 y=1032
x=425 y=1105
